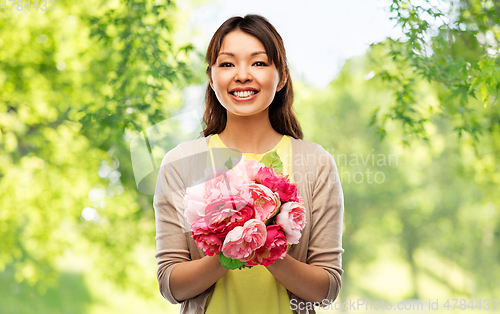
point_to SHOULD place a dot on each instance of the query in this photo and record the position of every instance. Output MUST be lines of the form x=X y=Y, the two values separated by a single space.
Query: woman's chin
x=245 y=113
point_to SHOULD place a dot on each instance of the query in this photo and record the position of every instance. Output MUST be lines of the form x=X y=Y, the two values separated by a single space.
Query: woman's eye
x=227 y=64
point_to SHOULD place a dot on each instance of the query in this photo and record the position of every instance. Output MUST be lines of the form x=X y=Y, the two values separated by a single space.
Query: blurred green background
x=413 y=124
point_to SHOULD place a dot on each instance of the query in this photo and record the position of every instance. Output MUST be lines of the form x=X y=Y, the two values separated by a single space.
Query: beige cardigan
x=316 y=176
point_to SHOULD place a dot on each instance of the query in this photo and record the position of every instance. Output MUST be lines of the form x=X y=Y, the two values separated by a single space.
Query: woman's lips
x=239 y=99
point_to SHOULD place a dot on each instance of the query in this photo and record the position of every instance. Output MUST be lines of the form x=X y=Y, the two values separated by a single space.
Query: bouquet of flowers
x=248 y=214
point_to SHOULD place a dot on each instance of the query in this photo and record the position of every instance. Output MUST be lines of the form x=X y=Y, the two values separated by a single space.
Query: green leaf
x=271 y=220
x=273 y=160
x=229 y=163
x=484 y=93
x=230 y=263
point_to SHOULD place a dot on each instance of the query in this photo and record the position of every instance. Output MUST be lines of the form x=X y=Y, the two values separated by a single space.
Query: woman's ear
x=281 y=85
x=211 y=83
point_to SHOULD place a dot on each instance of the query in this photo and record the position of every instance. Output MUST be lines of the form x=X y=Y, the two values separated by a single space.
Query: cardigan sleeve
x=171 y=243
x=325 y=242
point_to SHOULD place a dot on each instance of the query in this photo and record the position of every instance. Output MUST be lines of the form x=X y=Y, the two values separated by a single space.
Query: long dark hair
x=281 y=114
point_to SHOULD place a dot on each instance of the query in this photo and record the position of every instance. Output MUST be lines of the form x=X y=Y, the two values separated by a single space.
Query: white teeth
x=244 y=94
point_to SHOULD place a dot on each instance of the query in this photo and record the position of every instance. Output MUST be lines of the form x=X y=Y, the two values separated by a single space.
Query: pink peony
x=264 y=201
x=242 y=241
x=247 y=170
x=206 y=240
x=292 y=218
x=224 y=183
x=194 y=203
x=273 y=249
x=277 y=182
x=227 y=212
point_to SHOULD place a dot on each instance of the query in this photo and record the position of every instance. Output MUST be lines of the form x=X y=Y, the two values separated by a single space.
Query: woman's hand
x=189 y=279
x=308 y=282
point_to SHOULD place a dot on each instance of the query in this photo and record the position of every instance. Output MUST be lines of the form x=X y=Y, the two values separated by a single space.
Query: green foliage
x=71 y=296
x=230 y=263
x=457 y=49
x=74 y=82
x=273 y=160
x=140 y=64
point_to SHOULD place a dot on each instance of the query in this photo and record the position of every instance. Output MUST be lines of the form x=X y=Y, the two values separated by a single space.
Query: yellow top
x=251 y=290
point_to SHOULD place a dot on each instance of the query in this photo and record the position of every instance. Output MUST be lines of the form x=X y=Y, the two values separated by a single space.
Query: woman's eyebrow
x=252 y=54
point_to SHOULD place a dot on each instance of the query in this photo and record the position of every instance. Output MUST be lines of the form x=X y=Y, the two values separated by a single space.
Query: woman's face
x=242 y=78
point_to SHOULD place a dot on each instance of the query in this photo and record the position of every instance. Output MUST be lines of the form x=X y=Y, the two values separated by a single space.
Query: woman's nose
x=243 y=74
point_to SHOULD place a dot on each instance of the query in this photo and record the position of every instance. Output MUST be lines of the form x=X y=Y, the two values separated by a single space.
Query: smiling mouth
x=244 y=94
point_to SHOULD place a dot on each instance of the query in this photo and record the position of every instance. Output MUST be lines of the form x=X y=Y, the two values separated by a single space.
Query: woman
x=249 y=109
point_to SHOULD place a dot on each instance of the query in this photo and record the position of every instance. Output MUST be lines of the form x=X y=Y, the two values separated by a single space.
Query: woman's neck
x=250 y=134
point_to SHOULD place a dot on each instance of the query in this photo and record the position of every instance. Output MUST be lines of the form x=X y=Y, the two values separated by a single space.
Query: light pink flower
x=277 y=182
x=218 y=182
x=292 y=218
x=226 y=213
x=247 y=169
x=209 y=242
x=194 y=202
x=225 y=184
x=264 y=201
x=242 y=241
x=273 y=249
